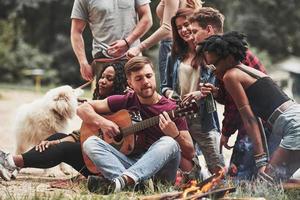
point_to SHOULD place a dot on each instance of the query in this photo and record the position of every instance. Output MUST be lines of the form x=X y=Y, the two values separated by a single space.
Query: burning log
x=217 y=193
x=291 y=186
x=195 y=190
x=205 y=185
x=164 y=196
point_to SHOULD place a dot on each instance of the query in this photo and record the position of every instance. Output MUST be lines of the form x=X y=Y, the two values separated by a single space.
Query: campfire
x=197 y=189
x=194 y=190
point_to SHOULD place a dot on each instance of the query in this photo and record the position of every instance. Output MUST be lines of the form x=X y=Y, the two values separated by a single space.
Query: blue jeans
x=242 y=158
x=164 y=50
x=209 y=143
x=160 y=160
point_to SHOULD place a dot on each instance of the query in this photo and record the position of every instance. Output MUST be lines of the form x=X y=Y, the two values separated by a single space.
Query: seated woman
x=61 y=147
x=256 y=94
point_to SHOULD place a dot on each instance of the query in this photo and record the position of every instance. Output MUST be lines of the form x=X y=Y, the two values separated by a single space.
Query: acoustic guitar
x=127 y=122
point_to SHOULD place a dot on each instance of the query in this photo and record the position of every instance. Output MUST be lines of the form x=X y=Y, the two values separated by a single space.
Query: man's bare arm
x=119 y=47
x=77 y=28
x=186 y=144
x=90 y=112
x=144 y=24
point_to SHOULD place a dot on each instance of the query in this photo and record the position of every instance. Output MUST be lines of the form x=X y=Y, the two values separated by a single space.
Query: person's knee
x=169 y=144
x=90 y=144
x=214 y=135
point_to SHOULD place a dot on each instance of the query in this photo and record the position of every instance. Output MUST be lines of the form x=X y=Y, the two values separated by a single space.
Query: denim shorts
x=286 y=130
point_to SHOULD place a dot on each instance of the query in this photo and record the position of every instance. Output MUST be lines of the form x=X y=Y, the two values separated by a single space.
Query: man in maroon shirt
x=208 y=21
x=162 y=147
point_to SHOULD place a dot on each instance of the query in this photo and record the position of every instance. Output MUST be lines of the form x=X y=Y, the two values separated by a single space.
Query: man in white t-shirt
x=119 y=23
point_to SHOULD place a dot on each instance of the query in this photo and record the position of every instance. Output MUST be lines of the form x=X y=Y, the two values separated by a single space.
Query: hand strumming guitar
x=167 y=126
x=109 y=128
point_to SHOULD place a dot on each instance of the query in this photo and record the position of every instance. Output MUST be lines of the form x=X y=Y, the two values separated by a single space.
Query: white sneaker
x=14 y=174
x=5 y=167
x=4 y=173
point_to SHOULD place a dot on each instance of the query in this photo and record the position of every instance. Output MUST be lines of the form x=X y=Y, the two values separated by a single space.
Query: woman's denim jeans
x=160 y=160
x=209 y=143
x=164 y=49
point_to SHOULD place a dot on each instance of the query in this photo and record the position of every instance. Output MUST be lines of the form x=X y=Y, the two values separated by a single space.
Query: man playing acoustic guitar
x=162 y=147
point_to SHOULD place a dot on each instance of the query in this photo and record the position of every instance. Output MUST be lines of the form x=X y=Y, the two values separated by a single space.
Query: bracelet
x=261 y=164
x=176 y=136
x=261 y=161
x=243 y=107
x=259 y=155
x=127 y=44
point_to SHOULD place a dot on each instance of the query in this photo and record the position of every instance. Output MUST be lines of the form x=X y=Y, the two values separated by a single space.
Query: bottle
x=210 y=103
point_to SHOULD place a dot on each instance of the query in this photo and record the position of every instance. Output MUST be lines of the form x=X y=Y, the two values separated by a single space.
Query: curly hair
x=119 y=82
x=231 y=43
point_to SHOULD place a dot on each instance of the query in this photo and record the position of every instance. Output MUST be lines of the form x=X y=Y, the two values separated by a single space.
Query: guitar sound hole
x=118 y=138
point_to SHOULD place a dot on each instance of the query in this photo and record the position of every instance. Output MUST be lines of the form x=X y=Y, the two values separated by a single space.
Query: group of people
x=196 y=62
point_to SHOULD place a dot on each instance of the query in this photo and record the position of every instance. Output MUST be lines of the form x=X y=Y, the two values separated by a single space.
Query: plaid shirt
x=232 y=120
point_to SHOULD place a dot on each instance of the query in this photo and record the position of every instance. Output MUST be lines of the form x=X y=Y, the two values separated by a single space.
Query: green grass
x=243 y=189
x=262 y=189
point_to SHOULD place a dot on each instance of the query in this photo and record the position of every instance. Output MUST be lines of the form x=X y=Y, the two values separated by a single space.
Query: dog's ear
x=62 y=96
x=65 y=105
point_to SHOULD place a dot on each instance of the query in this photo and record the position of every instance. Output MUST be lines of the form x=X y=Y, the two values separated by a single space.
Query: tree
x=17 y=55
x=271 y=25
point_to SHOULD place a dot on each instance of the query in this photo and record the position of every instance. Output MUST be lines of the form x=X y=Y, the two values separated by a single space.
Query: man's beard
x=146 y=92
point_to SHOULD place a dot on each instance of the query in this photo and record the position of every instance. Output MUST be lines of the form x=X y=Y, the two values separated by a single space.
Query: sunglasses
x=213 y=65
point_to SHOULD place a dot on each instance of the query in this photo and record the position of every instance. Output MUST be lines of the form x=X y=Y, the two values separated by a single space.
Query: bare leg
x=19 y=162
x=283 y=163
x=129 y=181
x=185 y=165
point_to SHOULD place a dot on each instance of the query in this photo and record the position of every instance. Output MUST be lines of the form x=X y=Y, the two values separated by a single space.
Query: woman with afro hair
x=110 y=81
x=256 y=95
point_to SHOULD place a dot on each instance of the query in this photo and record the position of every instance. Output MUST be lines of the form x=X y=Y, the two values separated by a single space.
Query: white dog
x=43 y=117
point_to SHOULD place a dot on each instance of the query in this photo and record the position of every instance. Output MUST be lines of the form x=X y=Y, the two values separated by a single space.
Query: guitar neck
x=147 y=123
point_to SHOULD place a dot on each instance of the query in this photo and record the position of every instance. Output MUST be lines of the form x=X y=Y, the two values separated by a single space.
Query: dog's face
x=63 y=101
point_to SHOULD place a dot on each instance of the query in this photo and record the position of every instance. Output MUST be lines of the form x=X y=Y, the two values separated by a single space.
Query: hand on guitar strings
x=110 y=128
x=167 y=126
